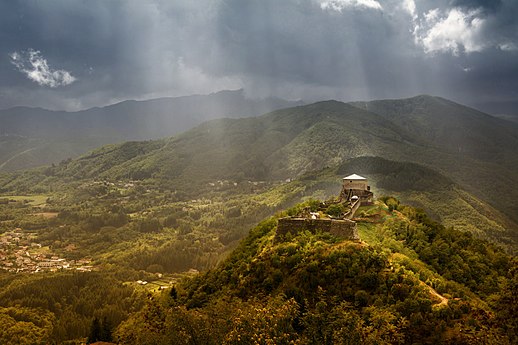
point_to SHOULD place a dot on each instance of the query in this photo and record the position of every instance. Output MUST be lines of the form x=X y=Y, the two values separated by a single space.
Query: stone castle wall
x=353 y=210
x=345 y=229
x=360 y=185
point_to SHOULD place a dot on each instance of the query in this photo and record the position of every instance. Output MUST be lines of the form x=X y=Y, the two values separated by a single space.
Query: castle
x=355 y=192
x=356 y=187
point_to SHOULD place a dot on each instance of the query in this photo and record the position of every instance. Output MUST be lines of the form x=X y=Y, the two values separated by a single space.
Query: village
x=19 y=252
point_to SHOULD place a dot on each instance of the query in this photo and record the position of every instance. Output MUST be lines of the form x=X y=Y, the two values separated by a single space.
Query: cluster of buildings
x=19 y=252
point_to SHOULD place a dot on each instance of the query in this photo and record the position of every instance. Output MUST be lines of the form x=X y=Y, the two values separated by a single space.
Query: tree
x=173 y=293
x=95 y=331
x=507 y=312
x=106 y=330
x=100 y=331
x=335 y=210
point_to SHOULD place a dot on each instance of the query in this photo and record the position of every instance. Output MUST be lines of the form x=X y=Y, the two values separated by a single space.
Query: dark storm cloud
x=490 y=5
x=311 y=49
x=313 y=52
x=116 y=49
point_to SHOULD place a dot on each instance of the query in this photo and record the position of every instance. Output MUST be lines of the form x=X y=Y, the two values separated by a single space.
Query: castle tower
x=356 y=187
x=356 y=182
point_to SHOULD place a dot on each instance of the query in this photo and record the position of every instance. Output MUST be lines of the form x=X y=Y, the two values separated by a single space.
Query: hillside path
x=17 y=155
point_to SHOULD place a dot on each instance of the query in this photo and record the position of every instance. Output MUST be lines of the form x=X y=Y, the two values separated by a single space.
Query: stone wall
x=345 y=229
x=353 y=210
x=360 y=185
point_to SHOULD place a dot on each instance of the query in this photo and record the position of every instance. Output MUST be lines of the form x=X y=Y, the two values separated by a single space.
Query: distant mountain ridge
x=503 y=109
x=35 y=136
x=292 y=141
x=136 y=120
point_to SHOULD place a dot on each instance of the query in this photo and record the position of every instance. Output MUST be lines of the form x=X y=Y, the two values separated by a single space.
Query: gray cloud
x=488 y=5
x=311 y=49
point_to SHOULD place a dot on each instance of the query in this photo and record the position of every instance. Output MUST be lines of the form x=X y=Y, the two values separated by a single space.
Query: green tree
x=106 y=330
x=95 y=331
x=335 y=210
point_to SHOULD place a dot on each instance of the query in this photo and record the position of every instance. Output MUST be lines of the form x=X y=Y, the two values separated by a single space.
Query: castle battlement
x=343 y=228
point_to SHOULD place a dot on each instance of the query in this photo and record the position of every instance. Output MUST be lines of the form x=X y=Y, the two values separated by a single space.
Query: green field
x=33 y=200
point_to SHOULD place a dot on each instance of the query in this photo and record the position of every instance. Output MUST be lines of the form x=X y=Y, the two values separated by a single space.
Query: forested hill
x=452 y=127
x=33 y=136
x=477 y=150
x=285 y=143
x=409 y=281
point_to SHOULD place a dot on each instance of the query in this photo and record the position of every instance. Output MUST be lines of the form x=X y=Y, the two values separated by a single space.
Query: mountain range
x=31 y=137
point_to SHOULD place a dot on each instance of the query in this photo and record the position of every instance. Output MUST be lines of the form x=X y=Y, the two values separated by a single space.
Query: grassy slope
x=422 y=187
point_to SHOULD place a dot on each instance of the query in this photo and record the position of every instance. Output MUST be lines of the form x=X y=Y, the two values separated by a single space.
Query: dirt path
x=443 y=300
x=17 y=155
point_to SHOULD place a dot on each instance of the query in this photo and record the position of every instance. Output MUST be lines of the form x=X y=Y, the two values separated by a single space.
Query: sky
x=72 y=54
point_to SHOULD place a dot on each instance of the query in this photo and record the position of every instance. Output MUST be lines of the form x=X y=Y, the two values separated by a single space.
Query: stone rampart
x=345 y=229
x=353 y=210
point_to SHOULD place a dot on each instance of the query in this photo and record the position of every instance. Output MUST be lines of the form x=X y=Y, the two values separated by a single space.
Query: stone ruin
x=355 y=192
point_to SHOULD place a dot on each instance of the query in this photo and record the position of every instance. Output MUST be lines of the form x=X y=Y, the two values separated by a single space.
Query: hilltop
x=410 y=280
